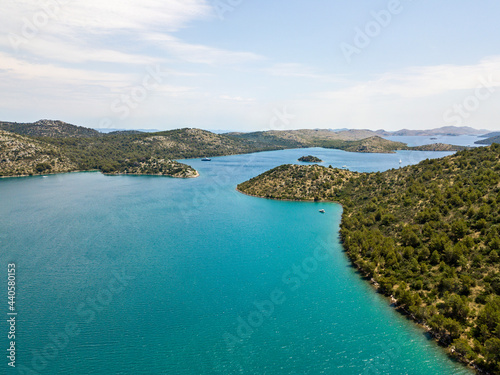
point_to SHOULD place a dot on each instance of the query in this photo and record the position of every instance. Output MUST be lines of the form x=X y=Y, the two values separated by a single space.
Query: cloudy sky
x=251 y=65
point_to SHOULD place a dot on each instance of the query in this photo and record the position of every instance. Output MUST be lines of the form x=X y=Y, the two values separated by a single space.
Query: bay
x=157 y=275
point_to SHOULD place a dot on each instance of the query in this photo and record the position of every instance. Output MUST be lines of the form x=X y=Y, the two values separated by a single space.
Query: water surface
x=169 y=276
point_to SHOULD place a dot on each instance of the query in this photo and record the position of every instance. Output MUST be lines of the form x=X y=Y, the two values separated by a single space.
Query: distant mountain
x=347 y=140
x=489 y=141
x=48 y=128
x=339 y=130
x=116 y=130
x=126 y=132
x=446 y=130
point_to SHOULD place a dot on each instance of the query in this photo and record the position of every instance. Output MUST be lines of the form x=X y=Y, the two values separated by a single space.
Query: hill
x=303 y=137
x=20 y=155
x=298 y=182
x=373 y=144
x=347 y=140
x=438 y=147
x=125 y=152
x=428 y=235
x=489 y=135
x=152 y=153
x=489 y=141
x=48 y=128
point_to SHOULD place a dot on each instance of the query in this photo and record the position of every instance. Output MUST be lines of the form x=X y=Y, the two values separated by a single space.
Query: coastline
x=393 y=302
x=105 y=174
x=288 y=200
x=151 y=174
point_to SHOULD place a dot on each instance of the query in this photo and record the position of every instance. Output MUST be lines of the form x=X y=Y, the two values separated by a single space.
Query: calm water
x=151 y=275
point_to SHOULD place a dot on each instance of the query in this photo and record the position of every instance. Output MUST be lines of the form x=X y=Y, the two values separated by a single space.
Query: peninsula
x=427 y=235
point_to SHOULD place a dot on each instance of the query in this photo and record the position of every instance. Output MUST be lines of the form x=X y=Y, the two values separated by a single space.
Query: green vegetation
x=438 y=147
x=53 y=146
x=20 y=155
x=348 y=140
x=427 y=234
x=489 y=141
x=119 y=153
x=310 y=159
x=299 y=182
x=114 y=153
x=48 y=128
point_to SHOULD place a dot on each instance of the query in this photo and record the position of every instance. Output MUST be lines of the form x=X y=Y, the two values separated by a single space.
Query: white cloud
x=200 y=54
x=417 y=82
x=25 y=71
x=109 y=31
x=93 y=30
x=98 y=16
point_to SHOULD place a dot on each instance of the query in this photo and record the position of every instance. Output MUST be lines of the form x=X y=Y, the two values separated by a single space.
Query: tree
x=459 y=228
x=435 y=258
x=409 y=237
x=453 y=327
x=492 y=349
x=490 y=314
x=463 y=348
x=457 y=307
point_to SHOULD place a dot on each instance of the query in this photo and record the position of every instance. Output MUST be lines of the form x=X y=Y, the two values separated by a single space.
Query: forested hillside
x=489 y=141
x=20 y=155
x=427 y=234
x=48 y=128
x=78 y=148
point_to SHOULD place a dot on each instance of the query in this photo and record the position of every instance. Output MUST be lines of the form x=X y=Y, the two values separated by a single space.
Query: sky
x=244 y=65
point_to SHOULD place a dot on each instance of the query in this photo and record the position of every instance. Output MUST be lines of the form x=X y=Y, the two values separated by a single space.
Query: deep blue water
x=155 y=275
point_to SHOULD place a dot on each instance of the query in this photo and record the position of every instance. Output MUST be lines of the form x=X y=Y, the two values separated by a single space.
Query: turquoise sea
x=155 y=275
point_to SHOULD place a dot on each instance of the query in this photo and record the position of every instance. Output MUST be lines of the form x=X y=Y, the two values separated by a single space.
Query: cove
x=197 y=261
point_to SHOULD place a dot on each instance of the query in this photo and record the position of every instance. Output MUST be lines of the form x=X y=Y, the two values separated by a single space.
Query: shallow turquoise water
x=168 y=276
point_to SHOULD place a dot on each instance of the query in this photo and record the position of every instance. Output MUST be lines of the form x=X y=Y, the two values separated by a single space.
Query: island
x=427 y=236
x=310 y=159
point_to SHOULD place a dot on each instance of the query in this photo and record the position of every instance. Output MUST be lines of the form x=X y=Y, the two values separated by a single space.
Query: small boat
x=322 y=211
x=400 y=161
x=344 y=166
x=206 y=159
